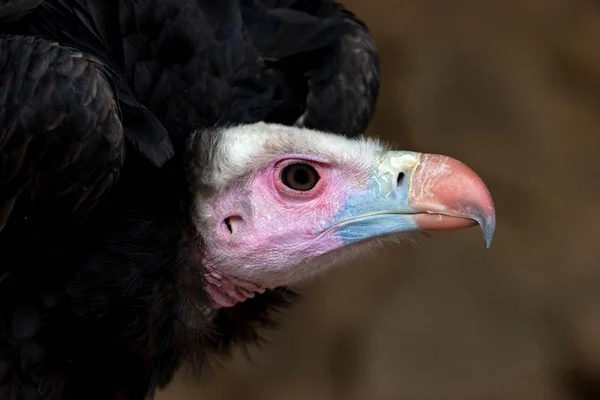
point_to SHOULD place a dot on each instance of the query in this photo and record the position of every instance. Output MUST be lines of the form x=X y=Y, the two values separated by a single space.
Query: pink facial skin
x=273 y=227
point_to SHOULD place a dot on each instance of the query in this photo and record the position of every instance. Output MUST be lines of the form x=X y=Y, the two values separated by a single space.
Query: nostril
x=228 y=224
x=232 y=223
x=400 y=179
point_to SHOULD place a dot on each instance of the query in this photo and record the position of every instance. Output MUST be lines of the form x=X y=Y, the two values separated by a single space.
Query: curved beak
x=416 y=191
x=445 y=194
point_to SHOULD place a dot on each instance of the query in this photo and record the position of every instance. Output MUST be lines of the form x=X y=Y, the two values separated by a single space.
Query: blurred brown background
x=512 y=88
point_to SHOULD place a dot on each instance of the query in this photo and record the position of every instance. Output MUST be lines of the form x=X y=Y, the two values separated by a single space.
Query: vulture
x=170 y=169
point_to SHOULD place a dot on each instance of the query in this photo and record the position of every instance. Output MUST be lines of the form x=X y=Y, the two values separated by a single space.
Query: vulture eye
x=300 y=177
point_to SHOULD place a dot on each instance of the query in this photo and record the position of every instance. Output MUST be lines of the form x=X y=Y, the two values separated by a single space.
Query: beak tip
x=487 y=237
x=488 y=227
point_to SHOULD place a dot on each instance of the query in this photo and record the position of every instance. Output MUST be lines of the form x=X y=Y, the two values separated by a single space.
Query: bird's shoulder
x=61 y=139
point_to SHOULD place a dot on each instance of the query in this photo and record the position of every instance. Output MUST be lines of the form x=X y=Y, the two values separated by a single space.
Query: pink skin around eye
x=289 y=217
x=276 y=231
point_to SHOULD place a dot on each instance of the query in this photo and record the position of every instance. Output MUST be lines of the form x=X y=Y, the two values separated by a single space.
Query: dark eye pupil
x=301 y=177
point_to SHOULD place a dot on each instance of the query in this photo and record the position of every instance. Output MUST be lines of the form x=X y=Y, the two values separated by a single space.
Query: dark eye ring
x=299 y=176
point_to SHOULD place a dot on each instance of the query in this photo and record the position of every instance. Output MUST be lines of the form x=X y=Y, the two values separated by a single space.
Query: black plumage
x=97 y=99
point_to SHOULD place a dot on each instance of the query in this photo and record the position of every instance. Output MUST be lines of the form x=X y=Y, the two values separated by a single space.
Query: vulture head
x=274 y=205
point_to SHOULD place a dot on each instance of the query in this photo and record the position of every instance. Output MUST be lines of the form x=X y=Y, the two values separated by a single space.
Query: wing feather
x=92 y=27
x=11 y=10
x=61 y=138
